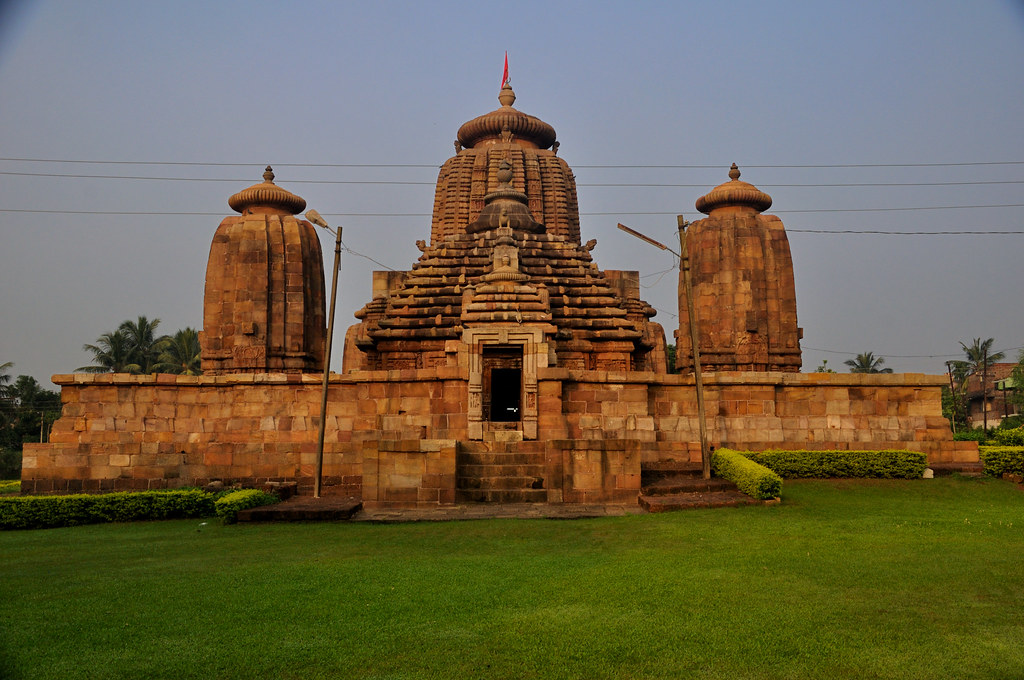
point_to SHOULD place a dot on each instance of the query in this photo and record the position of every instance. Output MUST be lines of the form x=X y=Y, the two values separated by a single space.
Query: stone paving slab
x=496 y=510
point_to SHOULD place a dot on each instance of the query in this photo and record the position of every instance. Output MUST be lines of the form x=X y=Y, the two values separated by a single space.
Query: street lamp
x=314 y=217
x=684 y=267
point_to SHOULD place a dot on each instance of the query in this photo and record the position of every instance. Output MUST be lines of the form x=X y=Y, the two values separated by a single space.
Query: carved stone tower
x=743 y=288
x=264 y=304
x=505 y=288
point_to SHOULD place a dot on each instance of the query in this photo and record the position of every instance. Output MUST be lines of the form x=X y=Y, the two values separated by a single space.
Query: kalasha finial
x=734 y=172
x=507 y=97
x=268 y=175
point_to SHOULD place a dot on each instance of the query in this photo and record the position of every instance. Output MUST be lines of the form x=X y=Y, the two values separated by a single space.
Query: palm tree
x=143 y=342
x=111 y=353
x=979 y=358
x=179 y=354
x=867 y=362
x=5 y=378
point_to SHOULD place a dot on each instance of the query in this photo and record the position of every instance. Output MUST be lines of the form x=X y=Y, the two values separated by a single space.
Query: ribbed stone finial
x=734 y=193
x=507 y=97
x=267 y=195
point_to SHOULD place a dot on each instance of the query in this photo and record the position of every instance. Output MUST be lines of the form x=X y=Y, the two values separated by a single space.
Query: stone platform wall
x=127 y=432
x=391 y=435
x=757 y=411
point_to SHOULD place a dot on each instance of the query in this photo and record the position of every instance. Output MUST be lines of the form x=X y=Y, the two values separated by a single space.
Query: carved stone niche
x=499 y=357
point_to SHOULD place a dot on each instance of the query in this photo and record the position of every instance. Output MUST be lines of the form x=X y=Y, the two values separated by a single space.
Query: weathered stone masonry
x=504 y=366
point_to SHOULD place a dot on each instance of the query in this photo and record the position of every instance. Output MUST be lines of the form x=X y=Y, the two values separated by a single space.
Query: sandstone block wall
x=392 y=436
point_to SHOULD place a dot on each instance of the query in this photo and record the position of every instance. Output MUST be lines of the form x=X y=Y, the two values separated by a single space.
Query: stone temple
x=503 y=366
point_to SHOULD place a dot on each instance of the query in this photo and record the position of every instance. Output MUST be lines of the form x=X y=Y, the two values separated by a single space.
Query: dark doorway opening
x=503 y=384
x=506 y=387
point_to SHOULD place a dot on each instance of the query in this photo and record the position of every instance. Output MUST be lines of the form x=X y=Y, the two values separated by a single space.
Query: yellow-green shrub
x=1002 y=459
x=751 y=478
x=229 y=505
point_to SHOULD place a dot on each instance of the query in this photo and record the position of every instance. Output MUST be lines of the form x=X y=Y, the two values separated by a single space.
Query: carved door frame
x=535 y=355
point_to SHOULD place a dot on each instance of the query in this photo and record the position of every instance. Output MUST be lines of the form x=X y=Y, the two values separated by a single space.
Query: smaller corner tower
x=263 y=309
x=743 y=287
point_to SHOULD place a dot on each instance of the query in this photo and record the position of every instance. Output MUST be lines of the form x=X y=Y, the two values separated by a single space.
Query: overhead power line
x=390 y=182
x=143 y=213
x=436 y=165
x=886 y=355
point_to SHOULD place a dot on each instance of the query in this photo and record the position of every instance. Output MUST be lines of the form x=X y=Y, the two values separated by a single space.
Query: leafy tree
x=823 y=367
x=179 y=353
x=28 y=412
x=867 y=362
x=1017 y=396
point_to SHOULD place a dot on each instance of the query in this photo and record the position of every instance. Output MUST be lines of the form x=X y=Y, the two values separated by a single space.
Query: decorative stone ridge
x=264 y=308
x=743 y=285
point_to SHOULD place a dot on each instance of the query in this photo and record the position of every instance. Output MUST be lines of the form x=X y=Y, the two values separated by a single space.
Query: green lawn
x=844 y=579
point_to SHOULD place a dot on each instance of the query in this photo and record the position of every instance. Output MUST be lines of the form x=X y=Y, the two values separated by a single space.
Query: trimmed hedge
x=1014 y=437
x=751 y=478
x=41 y=512
x=10 y=486
x=1002 y=459
x=885 y=464
x=229 y=505
x=978 y=435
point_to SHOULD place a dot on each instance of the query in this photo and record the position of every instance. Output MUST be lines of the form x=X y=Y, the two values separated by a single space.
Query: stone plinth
x=391 y=436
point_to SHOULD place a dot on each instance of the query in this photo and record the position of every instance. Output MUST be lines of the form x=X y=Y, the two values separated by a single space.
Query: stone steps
x=671 y=485
x=502 y=470
x=685 y=484
x=501 y=495
x=500 y=482
x=976 y=469
x=304 y=509
x=499 y=458
x=695 y=500
x=505 y=475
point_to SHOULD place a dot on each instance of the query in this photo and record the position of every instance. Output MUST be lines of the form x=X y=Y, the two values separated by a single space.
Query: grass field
x=844 y=579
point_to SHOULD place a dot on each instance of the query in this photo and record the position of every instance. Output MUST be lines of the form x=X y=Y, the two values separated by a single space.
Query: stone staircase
x=975 y=469
x=499 y=472
x=669 y=485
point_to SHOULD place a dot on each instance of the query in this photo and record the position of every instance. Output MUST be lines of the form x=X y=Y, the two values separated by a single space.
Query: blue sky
x=931 y=87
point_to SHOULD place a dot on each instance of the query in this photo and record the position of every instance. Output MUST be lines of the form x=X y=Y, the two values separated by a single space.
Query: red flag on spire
x=504 y=78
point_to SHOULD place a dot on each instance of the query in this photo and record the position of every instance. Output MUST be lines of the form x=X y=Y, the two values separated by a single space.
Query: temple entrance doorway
x=503 y=384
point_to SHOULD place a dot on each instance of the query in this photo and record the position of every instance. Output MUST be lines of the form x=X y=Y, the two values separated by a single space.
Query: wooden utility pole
x=691 y=314
x=984 y=388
